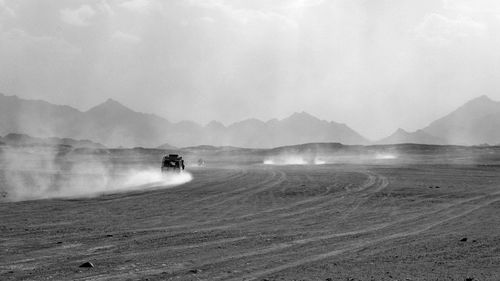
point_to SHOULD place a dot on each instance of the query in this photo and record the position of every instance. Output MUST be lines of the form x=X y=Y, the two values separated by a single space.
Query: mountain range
x=474 y=123
x=114 y=125
x=14 y=139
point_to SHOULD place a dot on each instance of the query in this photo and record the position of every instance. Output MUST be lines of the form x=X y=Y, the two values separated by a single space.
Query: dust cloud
x=34 y=173
x=385 y=156
x=358 y=157
x=285 y=160
x=293 y=160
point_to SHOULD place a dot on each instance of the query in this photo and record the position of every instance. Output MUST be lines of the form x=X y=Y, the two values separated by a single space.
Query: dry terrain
x=379 y=221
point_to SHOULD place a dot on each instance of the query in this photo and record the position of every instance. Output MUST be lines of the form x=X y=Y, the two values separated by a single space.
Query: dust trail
x=294 y=159
x=151 y=178
x=315 y=158
x=35 y=173
x=286 y=160
x=319 y=161
x=385 y=156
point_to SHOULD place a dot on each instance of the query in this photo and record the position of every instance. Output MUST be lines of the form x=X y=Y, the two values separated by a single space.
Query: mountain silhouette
x=476 y=122
x=113 y=124
x=419 y=136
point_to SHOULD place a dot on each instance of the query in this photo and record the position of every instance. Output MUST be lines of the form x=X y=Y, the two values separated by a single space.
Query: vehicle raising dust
x=172 y=162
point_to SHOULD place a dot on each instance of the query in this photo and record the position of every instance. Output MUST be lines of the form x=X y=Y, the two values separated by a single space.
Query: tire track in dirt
x=226 y=174
x=267 y=183
x=271 y=179
x=445 y=211
x=359 y=245
x=241 y=179
x=240 y=176
x=372 y=179
x=305 y=212
x=448 y=213
x=254 y=189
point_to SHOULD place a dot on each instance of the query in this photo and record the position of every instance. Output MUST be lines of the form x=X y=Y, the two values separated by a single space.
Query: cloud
x=308 y=3
x=78 y=17
x=105 y=8
x=126 y=37
x=142 y=6
x=19 y=41
x=472 y=7
x=299 y=6
x=442 y=31
x=207 y=19
x=6 y=10
x=248 y=16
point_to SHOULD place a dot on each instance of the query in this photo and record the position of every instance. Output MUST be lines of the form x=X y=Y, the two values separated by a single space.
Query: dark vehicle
x=172 y=162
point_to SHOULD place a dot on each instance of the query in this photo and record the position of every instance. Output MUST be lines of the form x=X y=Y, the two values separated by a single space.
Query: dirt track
x=268 y=222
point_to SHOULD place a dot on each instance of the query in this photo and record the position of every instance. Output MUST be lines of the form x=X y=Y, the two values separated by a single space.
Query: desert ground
x=435 y=218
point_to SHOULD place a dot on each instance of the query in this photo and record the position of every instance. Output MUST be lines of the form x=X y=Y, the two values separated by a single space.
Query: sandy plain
x=417 y=220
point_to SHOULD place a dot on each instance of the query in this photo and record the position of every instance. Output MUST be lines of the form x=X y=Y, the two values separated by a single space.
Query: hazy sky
x=374 y=65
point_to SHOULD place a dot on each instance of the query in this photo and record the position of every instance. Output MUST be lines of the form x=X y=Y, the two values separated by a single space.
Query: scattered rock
x=195 y=271
x=463 y=239
x=437 y=186
x=328 y=279
x=87 y=264
x=59 y=242
x=109 y=235
x=469 y=279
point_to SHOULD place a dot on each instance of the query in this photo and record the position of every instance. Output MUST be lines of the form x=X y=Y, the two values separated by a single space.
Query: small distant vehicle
x=172 y=162
x=201 y=162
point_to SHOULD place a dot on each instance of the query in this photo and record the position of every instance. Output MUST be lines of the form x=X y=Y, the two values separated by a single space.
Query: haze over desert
x=240 y=140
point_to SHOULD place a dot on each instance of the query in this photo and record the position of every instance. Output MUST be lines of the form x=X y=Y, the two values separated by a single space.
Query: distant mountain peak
x=110 y=105
x=483 y=97
x=112 y=102
x=249 y=121
x=479 y=106
x=302 y=116
x=215 y=125
x=401 y=131
x=481 y=100
x=475 y=122
x=403 y=136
